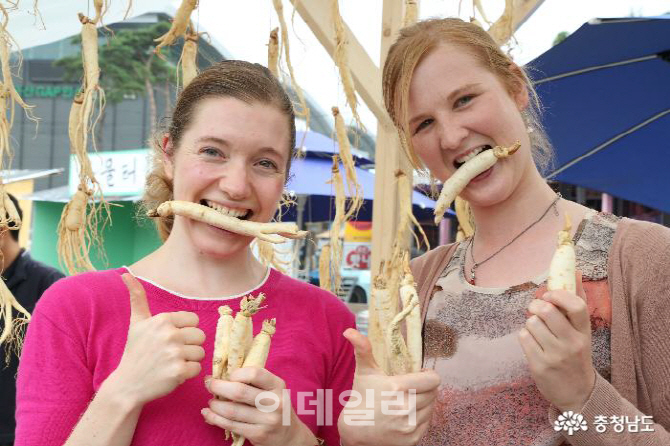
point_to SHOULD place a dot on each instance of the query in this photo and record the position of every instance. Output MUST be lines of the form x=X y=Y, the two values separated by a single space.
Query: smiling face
x=232 y=157
x=458 y=108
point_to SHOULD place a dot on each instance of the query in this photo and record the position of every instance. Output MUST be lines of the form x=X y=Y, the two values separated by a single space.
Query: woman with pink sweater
x=120 y=357
x=505 y=359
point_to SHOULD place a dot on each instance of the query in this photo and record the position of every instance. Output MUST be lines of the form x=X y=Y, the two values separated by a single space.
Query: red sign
x=358 y=257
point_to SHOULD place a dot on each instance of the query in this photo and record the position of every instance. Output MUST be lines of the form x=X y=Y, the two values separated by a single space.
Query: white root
x=460 y=179
x=399 y=359
x=271 y=232
x=563 y=263
x=464 y=217
x=222 y=341
x=410 y=298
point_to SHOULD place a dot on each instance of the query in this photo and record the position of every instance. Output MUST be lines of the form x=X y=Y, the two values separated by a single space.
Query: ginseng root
x=460 y=179
x=11 y=337
x=179 y=24
x=257 y=356
x=222 y=341
x=398 y=355
x=189 y=59
x=409 y=297
x=270 y=232
x=241 y=334
x=354 y=188
x=273 y=52
x=563 y=263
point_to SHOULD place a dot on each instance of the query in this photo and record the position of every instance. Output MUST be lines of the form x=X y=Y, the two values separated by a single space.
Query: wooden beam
x=523 y=9
x=367 y=76
x=388 y=159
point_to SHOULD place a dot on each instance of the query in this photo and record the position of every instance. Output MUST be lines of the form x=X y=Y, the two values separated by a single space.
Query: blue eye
x=210 y=151
x=268 y=164
x=425 y=123
x=464 y=100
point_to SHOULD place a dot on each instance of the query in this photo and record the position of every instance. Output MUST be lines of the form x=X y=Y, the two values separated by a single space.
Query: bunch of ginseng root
x=235 y=346
x=394 y=284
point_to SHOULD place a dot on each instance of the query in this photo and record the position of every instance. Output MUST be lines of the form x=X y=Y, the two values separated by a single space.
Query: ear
x=520 y=92
x=167 y=155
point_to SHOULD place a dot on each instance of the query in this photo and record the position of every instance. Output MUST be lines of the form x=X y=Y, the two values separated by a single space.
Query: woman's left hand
x=556 y=341
x=236 y=409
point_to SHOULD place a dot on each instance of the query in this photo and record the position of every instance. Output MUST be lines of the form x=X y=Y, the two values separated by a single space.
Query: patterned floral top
x=488 y=396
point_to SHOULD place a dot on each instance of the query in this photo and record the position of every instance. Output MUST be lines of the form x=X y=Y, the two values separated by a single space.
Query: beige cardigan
x=638 y=271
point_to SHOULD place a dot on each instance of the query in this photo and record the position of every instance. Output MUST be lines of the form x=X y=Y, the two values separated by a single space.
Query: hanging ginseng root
x=79 y=226
x=411 y=13
x=341 y=58
x=335 y=229
x=503 y=28
x=179 y=25
x=273 y=52
x=189 y=57
x=354 y=188
x=13 y=316
x=304 y=111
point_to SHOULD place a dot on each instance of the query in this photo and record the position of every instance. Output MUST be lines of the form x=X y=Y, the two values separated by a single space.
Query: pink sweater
x=78 y=333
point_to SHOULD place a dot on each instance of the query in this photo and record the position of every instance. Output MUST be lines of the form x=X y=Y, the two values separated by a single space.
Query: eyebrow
x=457 y=92
x=223 y=142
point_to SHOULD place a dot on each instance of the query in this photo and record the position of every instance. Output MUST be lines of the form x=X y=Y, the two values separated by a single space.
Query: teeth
x=226 y=211
x=469 y=156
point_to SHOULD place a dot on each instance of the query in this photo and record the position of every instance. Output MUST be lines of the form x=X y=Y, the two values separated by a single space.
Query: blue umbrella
x=606 y=93
x=309 y=176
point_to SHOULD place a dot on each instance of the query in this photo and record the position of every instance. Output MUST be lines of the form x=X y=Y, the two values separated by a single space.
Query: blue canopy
x=309 y=177
x=316 y=144
x=606 y=94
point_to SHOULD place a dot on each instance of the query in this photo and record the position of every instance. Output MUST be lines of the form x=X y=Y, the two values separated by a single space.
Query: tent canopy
x=606 y=94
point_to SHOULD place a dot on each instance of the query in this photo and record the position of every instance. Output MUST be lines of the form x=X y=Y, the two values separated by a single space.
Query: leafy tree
x=560 y=37
x=128 y=65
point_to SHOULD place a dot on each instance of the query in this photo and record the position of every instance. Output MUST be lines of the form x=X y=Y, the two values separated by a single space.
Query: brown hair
x=248 y=82
x=417 y=41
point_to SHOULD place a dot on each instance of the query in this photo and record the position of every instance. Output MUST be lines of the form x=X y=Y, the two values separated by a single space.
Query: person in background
x=27 y=279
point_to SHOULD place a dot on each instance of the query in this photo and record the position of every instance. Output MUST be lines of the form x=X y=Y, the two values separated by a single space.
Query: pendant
x=472 y=277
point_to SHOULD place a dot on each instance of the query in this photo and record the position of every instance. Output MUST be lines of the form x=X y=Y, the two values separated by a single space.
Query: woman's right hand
x=161 y=352
x=389 y=429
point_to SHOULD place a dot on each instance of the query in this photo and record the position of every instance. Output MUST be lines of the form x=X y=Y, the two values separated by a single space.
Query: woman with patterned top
x=512 y=357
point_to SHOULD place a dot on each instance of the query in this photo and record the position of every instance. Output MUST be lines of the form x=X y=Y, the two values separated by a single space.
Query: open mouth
x=464 y=159
x=236 y=213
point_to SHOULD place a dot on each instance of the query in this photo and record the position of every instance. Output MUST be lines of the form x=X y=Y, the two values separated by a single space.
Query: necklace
x=471 y=246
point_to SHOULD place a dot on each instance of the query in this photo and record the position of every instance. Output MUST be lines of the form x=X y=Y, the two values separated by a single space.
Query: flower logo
x=571 y=422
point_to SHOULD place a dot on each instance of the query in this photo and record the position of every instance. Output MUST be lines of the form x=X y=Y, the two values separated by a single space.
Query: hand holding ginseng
x=161 y=352
x=390 y=429
x=556 y=339
x=235 y=409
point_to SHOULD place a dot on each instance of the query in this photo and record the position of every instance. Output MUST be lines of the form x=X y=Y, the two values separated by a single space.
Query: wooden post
x=389 y=158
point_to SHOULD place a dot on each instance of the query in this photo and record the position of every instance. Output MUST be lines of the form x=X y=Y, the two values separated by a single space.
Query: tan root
x=341 y=59
x=11 y=337
x=337 y=226
x=354 y=188
x=189 y=59
x=411 y=13
x=503 y=28
x=304 y=111
x=324 y=268
x=466 y=222
x=179 y=24
x=273 y=53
